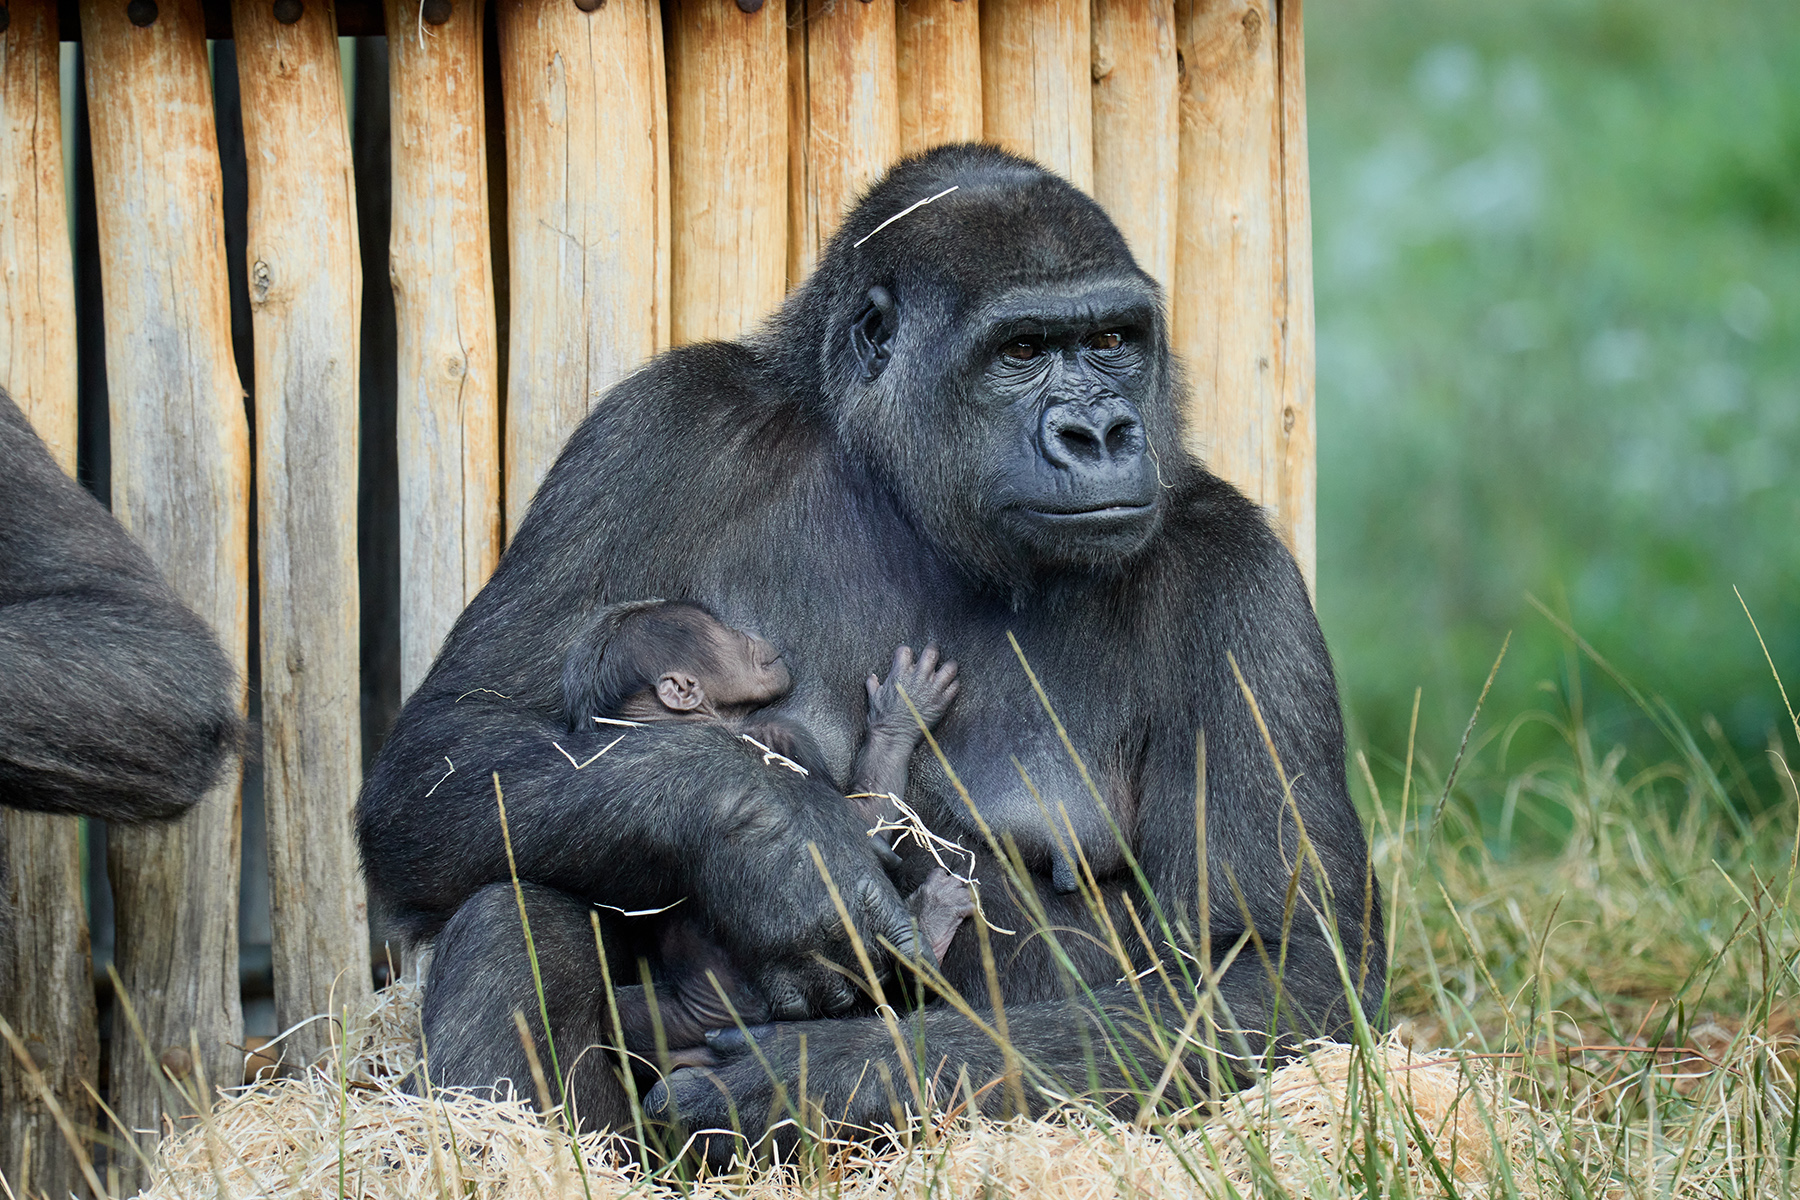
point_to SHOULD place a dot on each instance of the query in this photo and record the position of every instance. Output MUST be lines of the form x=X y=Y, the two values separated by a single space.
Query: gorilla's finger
x=928 y=659
x=839 y=995
x=656 y=1100
x=893 y=924
x=732 y=1042
x=884 y=852
x=903 y=658
x=874 y=686
x=694 y=1056
x=786 y=1001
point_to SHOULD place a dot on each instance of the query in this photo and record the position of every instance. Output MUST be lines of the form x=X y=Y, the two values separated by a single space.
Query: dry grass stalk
x=1306 y=1129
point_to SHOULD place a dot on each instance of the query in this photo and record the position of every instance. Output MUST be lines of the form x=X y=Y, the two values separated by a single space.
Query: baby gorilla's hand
x=929 y=684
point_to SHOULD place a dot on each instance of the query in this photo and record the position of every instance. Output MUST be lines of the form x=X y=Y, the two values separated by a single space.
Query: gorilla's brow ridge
x=909 y=208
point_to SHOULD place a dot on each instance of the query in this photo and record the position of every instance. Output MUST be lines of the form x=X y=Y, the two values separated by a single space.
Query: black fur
x=867 y=472
x=115 y=700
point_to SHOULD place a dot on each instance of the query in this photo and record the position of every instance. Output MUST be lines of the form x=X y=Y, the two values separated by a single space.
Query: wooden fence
x=668 y=171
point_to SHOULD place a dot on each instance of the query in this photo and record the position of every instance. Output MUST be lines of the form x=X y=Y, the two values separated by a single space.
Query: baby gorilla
x=673 y=660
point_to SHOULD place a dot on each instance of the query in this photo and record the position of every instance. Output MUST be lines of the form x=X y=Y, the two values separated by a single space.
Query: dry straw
x=1313 y=1127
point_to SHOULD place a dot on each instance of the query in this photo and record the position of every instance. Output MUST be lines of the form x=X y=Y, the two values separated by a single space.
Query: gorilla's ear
x=874 y=329
x=680 y=692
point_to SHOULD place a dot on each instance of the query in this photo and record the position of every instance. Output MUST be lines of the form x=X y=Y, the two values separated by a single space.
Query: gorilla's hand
x=929 y=684
x=762 y=884
x=739 y=1092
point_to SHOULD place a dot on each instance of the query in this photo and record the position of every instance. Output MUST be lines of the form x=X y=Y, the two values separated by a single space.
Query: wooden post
x=180 y=484
x=1243 y=288
x=50 y=1004
x=1037 y=93
x=1298 y=502
x=448 y=419
x=938 y=53
x=305 y=279
x=728 y=127
x=843 y=116
x=1136 y=130
x=587 y=215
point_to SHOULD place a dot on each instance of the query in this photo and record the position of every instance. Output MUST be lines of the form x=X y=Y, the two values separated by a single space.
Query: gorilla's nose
x=1096 y=433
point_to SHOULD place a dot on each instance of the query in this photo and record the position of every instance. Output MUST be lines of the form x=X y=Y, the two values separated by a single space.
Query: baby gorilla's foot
x=928 y=683
x=700 y=991
x=940 y=905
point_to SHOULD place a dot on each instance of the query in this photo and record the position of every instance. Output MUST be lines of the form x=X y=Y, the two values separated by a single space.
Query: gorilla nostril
x=1122 y=436
x=1080 y=441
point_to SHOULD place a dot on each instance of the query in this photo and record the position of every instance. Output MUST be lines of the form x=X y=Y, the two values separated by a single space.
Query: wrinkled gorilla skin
x=861 y=474
x=115 y=700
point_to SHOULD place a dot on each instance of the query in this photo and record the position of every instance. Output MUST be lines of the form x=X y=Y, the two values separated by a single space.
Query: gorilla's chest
x=1006 y=766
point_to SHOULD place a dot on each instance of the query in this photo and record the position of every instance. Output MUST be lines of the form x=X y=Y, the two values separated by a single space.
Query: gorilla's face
x=1056 y=414
x=996 y=355
x=1024 y=429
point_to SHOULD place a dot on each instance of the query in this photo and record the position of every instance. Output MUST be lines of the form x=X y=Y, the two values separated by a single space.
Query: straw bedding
x=1335 y=1122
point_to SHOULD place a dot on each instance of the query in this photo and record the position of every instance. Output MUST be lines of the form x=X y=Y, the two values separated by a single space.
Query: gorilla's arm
x=634 y=819
x=115 y=699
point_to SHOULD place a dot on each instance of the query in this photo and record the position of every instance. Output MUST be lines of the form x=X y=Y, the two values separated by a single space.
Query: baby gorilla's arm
x=894 y=733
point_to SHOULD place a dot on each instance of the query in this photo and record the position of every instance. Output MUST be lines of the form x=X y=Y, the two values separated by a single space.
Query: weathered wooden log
x=1137 y=136
x=1037 y=92
x=843 y=116
x=938 y=55
x=51 y=1002
x=1243 y=305
x=448 y=420
x=728 y=152
x=587 y=216
x=180 y=484
x=1298 y=503
x=305 y=278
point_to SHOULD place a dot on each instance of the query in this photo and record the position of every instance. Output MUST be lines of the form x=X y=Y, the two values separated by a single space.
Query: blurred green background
x=1557 y=252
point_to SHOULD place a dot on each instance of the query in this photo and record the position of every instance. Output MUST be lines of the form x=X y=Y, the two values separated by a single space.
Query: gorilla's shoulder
x=1221 y=541
x=693 y=407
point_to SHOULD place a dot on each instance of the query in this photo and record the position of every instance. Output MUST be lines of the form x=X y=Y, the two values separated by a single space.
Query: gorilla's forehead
x=1059 y=302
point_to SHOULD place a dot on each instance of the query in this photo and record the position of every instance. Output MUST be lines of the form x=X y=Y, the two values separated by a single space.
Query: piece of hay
x=1314 y=1127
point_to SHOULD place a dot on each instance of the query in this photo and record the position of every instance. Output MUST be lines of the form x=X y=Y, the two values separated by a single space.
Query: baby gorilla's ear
x=680 y=692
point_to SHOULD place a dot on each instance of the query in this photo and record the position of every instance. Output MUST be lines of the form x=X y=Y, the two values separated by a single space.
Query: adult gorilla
x=962 y=426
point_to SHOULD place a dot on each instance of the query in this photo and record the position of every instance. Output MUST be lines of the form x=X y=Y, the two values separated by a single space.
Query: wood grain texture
x=587 y=221
x=728 y=152
x=1228 y=269
x=47 y=996
x=1036 y=88
x=938 y=59
x=305 y=276
x=843 y=116
x=180 y=485
x=1137 y=136
x=51 y=1004
x=448 y=420
x=37 y=289
x=1299 y=423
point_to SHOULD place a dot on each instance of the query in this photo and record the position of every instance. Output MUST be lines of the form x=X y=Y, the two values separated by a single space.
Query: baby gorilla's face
x=748 y=672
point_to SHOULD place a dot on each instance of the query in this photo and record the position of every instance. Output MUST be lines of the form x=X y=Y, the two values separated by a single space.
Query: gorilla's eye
x=1020 y=351
x=1112 y=339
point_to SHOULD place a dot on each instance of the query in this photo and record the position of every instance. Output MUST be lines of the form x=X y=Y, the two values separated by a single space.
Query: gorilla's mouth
x=1099 y=514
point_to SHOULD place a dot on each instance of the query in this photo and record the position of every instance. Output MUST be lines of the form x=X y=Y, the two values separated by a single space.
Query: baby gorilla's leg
x=940 y=905
x=687 y=1003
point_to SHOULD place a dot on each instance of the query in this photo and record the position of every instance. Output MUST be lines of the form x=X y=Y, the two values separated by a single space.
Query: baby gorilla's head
x=653 y=659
